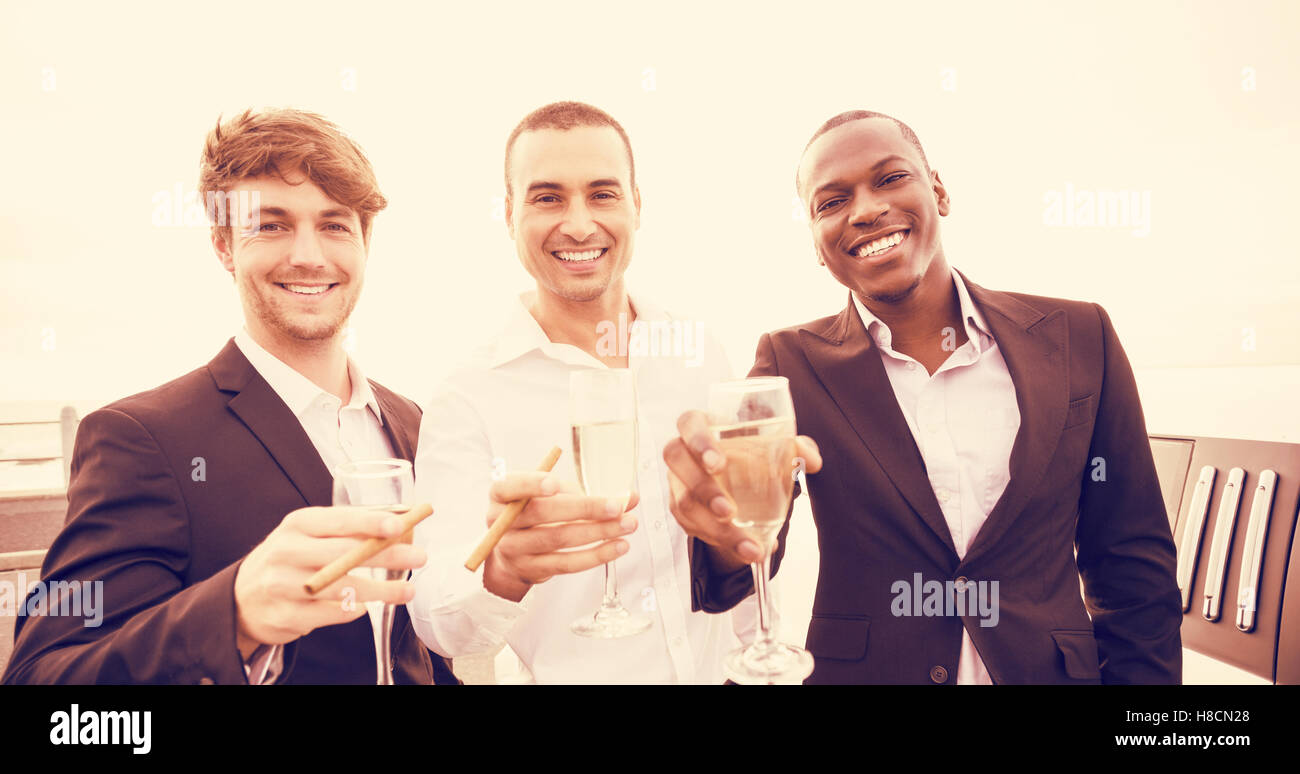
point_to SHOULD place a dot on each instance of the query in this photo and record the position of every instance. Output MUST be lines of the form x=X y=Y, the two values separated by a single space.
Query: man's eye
x=269 y=227
x=605 y=195
x=337 y=227
x=893 y=177
x=546 y=199
x=826 y=205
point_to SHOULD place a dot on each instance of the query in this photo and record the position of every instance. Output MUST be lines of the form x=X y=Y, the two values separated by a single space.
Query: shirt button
x=942 y=495
x=645 y=464
x=939 y=674
x=677 y=642
x=911 y=366
x=659 y=525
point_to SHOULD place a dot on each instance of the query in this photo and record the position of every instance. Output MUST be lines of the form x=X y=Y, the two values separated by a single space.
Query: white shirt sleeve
x=454 y=465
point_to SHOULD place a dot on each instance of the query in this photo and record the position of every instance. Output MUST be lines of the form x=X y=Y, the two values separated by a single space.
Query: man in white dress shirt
x=573 y=208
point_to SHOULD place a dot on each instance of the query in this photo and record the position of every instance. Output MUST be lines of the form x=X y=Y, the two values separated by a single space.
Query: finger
x=310 y=554
x=566 y=507
x=566 y=562
x=400 y=556
x=693 y=427
x=812 y=455
x=699 y=485
x=360 y=588
x=547 y=539
x=517 y=486
x=344 y=520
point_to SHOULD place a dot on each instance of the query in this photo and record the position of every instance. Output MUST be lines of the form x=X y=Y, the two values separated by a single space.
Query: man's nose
x=306 y=249
x=577 y=224
x=867 y=208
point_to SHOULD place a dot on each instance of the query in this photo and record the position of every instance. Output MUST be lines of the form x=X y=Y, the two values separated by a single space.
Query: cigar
x=354 y=558
x=507 y=517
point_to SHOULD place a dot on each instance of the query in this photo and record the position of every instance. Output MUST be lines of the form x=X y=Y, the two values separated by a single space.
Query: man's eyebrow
x=546 y=185
x=336 y=212
x=280 y=212
x=890 y=159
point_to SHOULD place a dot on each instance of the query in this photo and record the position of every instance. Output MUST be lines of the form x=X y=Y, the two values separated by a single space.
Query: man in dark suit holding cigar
x=974 y=442
x=204 y=505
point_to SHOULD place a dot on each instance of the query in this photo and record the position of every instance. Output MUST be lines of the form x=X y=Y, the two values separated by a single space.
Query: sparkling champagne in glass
x=602 y=409
x=383 y=485
x=753 y=420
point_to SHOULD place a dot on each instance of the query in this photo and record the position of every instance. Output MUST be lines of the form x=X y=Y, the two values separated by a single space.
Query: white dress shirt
x=503 y=412
x=964 y=419
x=340 y=434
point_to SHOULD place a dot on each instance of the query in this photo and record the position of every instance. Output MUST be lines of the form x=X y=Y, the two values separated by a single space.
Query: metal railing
x=67 y=423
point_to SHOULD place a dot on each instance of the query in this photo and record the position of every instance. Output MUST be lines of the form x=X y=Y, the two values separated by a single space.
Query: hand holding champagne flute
x=732 y=474
x=382 y=485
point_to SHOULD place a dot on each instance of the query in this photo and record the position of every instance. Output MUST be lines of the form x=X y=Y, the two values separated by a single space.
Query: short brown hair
x=282 y=142
x=565 y=116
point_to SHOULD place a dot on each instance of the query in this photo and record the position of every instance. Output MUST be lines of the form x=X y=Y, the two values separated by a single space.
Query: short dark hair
x=858 y=115
x=565 y=116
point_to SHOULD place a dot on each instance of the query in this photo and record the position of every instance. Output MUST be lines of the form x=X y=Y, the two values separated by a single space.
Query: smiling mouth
x=580 y=256
x=878 y=247
x=306 y=290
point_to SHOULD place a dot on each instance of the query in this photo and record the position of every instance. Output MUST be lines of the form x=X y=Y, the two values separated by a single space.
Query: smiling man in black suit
x=974 y=440
x=204 y=505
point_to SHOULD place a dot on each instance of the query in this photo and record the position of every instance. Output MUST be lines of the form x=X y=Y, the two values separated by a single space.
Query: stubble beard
x=274 y=316
x=894 y=297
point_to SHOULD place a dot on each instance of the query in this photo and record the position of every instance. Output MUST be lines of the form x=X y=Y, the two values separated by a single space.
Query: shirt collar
x=522 y=333
x=297 y=391
x=977 y=330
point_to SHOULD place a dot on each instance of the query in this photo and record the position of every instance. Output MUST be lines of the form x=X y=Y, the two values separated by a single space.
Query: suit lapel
x=268 y=418
x=1035 y=348
x=848 y=363
x=394 y=421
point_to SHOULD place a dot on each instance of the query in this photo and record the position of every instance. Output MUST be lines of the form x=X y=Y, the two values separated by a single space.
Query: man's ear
x=940 y=193
x=222 y=248
x=510 y=212
x=636 y=199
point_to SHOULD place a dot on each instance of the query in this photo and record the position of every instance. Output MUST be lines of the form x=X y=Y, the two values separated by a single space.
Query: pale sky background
x=1190 y=106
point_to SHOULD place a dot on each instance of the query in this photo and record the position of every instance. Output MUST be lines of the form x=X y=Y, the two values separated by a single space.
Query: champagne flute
x=753 y=420
x=383 y=485
x=602 y=409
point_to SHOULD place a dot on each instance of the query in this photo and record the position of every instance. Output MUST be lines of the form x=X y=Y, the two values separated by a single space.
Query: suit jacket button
x=961 y=583
x=939 y=674
x=207 y=681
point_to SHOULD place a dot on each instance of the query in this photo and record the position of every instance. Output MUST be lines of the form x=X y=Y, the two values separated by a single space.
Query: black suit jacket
x=170 y=489
x=878 y=520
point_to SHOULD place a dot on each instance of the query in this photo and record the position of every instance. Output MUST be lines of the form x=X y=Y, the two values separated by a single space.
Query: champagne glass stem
x=762 y=571
x=611 y=586
x=384 y=649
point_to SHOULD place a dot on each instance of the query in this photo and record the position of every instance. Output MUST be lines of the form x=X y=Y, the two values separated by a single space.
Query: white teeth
x=586 y=255
x=881 y=244
x=310 y=290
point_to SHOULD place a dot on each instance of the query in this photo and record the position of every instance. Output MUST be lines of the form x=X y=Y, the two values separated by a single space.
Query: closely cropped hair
x=566 y=116
x=858 y=115
x=283 y=142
